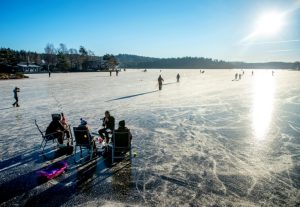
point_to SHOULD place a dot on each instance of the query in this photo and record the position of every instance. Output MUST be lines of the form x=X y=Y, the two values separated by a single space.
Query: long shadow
x=19 y=185
x=22 y=158
x=169 y=83
x=73 y=185
x=61 y=192
x=131 y=96
x=25 y=182
x=33 y=155
x=6 y=108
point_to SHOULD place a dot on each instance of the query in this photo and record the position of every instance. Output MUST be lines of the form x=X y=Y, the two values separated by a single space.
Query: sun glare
x=269 y=23
x=263 y=98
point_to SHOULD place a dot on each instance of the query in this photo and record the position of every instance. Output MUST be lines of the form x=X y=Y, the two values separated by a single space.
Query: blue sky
x=156 y=28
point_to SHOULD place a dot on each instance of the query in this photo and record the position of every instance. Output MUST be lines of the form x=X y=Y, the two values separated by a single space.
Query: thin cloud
x=272 y=42
x=279 y=51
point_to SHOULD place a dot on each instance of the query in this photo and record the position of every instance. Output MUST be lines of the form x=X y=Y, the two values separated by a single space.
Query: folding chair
x=46 y=138
x=121 y=144
x=82 y=139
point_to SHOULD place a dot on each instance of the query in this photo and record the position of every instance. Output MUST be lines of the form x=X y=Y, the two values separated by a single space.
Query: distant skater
x=49 y=72
x=240 y=76
x=16 y=91
x=236 y=76
x=160 y=80
x=272 y=72
x=252 y=73
x=109 y=73
x=117 y=72
x=178 y=77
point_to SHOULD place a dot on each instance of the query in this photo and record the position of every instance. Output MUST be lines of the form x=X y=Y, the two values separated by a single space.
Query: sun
x=269 y=23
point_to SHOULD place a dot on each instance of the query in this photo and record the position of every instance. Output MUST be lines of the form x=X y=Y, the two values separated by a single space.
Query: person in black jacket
x=123 y=128
x=83 y=126
x=16 y=90
x=160 y=80
x=56 y=126
x=178 y=77
x=108 y=124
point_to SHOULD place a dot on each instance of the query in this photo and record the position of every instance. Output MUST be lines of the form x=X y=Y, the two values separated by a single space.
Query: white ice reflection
x=263 y=97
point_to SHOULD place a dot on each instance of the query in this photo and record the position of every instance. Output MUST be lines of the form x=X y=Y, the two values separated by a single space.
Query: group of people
x=237 y=76
x=161 y=80
x=60 y=126
x=117 y=72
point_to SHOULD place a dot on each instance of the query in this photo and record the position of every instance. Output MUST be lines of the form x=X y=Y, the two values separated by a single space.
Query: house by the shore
x=29 y=68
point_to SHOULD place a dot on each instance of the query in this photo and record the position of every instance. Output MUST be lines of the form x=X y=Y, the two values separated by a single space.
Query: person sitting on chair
x=56 y=127
x=108 y=124
x=123 y=128
x=64 y=122
x=83 y=126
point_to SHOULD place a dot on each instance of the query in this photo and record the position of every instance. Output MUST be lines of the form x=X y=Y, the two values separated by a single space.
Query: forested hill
x=66 y=60
x=134 y=61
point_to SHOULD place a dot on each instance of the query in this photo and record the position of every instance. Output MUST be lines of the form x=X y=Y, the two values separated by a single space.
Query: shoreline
x=10 y=76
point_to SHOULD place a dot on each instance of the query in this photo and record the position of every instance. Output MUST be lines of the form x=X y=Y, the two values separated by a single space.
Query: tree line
x=66 y=60
x=59 y=59
x=133 y=61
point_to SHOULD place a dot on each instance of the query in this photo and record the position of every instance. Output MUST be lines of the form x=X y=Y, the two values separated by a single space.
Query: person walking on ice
x=178 y=77
x=16 y=90
x=160 y=80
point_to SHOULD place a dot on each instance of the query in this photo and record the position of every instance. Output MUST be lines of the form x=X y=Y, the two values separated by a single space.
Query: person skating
x=108 y=124
x=236 y=76
x=178 y=77
x=160 y=80
x=16 y=91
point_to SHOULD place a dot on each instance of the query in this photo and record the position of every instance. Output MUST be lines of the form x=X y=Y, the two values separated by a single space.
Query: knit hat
x=83 y=122
x=122 y=123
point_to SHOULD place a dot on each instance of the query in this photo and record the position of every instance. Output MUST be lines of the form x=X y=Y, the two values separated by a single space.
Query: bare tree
x=50 y=55
x=63 y=49
x=74 y=58
x=83 y=55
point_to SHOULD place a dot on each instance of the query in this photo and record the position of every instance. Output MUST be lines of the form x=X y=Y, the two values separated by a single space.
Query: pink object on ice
x=53 y=170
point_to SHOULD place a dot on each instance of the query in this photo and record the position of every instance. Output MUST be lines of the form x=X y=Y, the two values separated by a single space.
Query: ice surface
x=206 y=141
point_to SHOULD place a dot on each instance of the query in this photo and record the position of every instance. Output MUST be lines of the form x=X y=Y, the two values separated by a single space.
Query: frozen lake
x=206 y=141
